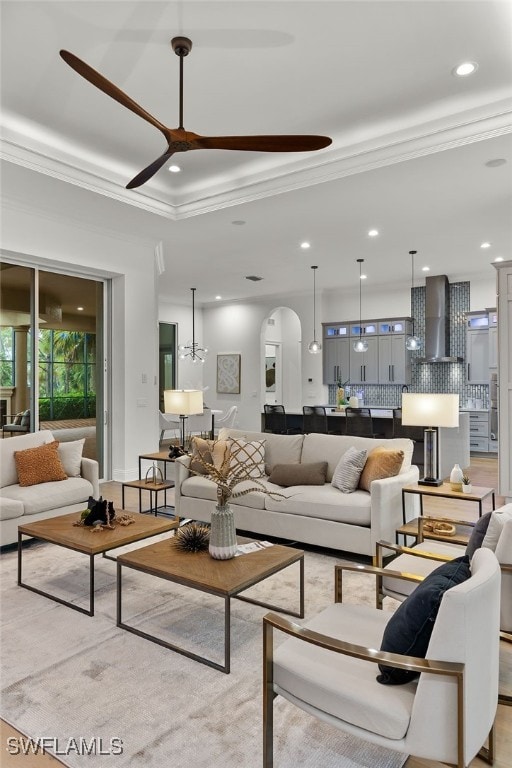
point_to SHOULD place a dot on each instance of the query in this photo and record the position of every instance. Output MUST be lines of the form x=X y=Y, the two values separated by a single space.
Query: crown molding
x=336 y=162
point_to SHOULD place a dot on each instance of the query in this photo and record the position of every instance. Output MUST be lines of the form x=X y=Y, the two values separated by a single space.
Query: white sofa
x=317 y=515
x=36 y=502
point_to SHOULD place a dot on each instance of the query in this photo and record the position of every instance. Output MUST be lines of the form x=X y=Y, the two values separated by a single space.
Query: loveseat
x=19 y=504
x=320 y=515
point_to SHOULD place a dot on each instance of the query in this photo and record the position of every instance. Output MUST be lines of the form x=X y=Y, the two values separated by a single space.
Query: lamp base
x=435 y=481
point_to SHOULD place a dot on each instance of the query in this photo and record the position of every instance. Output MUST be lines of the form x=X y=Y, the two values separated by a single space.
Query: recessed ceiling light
x=373 y=233
x=363 y=277
x=174 y=168
x=238 y=222
x=218 y=298
x=485 y=245
x=498 y=258
x=425 y=269
x=465 y=69
x=495 y=162
x=80 y=309
x=305 y=245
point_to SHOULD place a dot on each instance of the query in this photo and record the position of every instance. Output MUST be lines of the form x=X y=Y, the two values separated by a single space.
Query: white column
x=504 y=307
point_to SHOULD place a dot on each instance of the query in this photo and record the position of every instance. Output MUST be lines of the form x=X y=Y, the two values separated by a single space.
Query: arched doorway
x=281 y=361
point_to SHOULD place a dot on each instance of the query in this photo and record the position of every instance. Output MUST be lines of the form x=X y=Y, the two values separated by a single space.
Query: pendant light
x=315 y=346
x=361 y=345
x=412 y=342
x=192 y=349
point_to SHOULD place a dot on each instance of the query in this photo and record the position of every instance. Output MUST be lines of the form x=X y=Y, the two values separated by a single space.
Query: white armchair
x=227 y=419
x=328 y=668
x=167 y=422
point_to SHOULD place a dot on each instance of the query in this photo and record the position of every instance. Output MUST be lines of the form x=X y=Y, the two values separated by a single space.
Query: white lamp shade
x=428 y=410
x=184 y=402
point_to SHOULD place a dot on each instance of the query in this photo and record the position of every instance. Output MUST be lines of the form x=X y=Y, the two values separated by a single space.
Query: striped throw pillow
x=349 y=468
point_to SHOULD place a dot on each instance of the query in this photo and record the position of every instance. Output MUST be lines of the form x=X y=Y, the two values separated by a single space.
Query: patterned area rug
x=82 y=680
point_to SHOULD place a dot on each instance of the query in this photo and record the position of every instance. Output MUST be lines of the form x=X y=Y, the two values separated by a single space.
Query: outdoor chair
x=19 y=425
x=328 y=668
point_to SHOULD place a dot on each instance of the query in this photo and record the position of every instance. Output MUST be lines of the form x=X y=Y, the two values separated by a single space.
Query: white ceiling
x=410 y=140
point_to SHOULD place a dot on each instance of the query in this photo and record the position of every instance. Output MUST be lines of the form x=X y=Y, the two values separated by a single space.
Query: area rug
x=105 y=697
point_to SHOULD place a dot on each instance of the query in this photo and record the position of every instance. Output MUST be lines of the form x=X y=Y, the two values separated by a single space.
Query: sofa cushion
x=496 y=525
x=10 y=508
x=381 y=463
x=299 y=474
x=325 y=503
x=331 y=448
x=409 y=629
x=39 y=465
x=348 y=470
x=8 y=473
x=70 y=455
x=201 y=455
x=199 y=487
x=48 y=496
x=279 y=449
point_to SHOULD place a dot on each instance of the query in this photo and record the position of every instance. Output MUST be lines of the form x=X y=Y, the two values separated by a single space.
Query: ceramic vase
x=456 y=478
x=222 y=533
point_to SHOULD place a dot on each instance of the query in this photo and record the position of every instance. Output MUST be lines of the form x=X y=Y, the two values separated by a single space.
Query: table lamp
x=183 y=403
x=430 y=411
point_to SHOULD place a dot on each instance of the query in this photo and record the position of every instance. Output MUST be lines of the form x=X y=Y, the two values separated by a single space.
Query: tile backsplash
x=432 y=377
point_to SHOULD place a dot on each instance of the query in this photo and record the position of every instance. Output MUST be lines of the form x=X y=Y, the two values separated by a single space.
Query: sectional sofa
x=320 y=515
x=20 y=504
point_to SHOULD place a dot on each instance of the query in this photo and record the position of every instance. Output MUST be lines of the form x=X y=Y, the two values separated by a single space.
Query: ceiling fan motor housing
x=181 y=46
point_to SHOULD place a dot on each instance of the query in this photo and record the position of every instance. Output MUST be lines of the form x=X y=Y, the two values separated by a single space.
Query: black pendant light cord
x=314 y=302
x=412 y=254
x=193 y=316
x=360 y=301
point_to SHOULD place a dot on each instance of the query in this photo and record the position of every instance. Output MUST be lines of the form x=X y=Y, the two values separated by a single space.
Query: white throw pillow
x=248 y=457
x=70 y=454
x=348 y=470
x=495 y=527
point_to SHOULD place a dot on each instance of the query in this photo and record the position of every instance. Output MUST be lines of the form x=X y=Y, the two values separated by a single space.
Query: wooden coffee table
x=224 y=578
x=61 y=531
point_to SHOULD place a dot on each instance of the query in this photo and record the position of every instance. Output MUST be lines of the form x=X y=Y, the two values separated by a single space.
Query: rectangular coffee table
x=224 y=578
x=61 y=531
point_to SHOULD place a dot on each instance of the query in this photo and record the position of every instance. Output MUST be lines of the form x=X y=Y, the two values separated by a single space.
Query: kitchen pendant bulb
x=361 y=345
x=413 y=343
x=315 y=346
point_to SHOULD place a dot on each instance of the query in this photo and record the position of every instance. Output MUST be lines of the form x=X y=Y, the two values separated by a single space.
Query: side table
x=444 y=491
x=152 y=488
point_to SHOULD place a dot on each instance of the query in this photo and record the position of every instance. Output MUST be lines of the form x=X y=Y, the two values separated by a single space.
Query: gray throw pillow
x=348 y=471
x=478 y=534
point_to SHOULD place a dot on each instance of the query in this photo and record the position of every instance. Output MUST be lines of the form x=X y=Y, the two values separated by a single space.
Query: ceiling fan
x=180 y=140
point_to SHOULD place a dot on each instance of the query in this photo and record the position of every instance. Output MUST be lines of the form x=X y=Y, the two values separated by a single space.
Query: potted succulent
x=466 y=484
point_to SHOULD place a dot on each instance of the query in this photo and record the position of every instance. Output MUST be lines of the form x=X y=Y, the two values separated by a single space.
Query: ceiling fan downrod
x=181 y=47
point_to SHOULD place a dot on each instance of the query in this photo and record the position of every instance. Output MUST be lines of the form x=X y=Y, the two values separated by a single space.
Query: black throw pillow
x=478 y=534
x=409 y=630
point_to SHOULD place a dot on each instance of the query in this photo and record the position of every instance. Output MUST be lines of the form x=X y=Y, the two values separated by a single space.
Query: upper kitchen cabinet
x=336 y=356
x=364 y=366
x=394 y=358
x=477 y=348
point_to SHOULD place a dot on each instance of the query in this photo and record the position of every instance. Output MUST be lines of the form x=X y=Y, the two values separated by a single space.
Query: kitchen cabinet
x=394 y=360
x=364 y=366
x=477 y=356
x=493 y=340
x=336 y=360
x=479 y=431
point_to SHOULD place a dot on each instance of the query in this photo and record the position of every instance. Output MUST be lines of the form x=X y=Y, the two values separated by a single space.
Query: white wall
x=55 y=242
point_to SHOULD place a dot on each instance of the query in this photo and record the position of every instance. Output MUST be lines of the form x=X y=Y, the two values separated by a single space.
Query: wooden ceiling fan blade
x=109 y=88
x=277 y=143
x=149 y=172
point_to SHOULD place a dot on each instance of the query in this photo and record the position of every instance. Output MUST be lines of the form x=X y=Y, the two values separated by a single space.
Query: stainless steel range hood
x=437 y=321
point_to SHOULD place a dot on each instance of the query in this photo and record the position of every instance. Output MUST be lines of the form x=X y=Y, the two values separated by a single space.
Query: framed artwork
x=228 y=374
